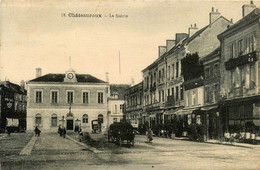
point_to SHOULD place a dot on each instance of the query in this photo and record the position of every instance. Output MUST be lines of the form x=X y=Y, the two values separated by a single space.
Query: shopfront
x=213 y=121
x=242 y=117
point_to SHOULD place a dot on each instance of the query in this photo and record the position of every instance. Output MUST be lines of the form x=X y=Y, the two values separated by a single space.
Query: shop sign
x=8 y=100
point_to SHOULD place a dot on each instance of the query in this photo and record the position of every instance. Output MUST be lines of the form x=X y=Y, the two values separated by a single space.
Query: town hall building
x=71 y=100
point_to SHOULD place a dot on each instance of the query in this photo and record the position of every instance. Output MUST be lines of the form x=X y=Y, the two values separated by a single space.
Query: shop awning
x=206 y=108
x=145 y=115
x=188 y=111
x=169 y=112
x=256 y=122
x=152 y=115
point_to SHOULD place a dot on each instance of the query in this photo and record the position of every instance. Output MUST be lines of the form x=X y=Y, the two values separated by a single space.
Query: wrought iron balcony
x=241 y=60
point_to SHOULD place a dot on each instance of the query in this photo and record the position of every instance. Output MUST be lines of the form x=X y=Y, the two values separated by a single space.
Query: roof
x=82 y=78
x=252 y=16
x=13 y=87
x=119 y=89
x=182 y=43
x=193 y=83
x=211 y=55
x=136 y=86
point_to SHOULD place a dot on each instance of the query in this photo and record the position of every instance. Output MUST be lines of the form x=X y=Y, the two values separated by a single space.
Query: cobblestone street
x=53 y=152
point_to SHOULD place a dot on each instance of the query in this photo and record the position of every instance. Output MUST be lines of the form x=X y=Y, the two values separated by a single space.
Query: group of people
x=62 y=131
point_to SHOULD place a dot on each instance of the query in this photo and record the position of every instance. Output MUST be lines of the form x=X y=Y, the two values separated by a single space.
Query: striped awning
x=206 y=108
x=152 y=115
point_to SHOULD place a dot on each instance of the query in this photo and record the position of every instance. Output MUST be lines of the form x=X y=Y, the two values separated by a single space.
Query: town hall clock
x=70 y=76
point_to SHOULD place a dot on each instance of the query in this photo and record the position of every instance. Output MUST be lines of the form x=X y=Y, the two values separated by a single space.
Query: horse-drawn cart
x=120 y=133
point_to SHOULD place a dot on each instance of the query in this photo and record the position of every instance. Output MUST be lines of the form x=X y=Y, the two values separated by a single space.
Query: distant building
x=239 y=82
x=116 y=103
x=13 y=106
x=134 y=105
x=71 y=100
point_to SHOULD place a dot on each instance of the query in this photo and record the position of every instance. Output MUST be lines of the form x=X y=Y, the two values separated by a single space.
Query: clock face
x=70 y=76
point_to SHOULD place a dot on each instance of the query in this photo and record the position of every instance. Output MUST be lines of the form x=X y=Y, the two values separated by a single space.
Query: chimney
x=161 y=50
x=180 y=36
x=107 y=77
x=38 y=72
x=192 y=29
x=213 y=16
x=169 y=44
x=246 y=9
x=22 y=85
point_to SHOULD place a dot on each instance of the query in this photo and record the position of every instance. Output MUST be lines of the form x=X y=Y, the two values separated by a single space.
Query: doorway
x=69 y=124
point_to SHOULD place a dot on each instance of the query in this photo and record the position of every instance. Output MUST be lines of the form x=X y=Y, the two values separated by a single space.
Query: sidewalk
x=246 y=145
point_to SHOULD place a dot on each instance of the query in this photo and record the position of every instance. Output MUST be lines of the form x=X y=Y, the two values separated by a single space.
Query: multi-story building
x=13 y=105
x=163 y=79
x=116 y=103
x=134 y=105
x=69 y=100
x=239 y=83
x=200 y=42
x=211 y=65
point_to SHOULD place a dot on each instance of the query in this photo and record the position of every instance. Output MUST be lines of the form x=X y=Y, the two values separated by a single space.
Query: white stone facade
x=53 y=110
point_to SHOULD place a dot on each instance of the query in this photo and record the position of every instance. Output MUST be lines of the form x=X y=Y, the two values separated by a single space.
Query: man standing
x=64 y=132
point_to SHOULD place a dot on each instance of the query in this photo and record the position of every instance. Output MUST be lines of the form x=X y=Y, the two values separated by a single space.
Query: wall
x=62 y=99
x=199 y=97
x=113 y=114
x=242 y=33
x=77 y=114
x=78 y=108
x=208 y=41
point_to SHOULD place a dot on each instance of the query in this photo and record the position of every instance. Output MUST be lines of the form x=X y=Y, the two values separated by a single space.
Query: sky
x=35 y=34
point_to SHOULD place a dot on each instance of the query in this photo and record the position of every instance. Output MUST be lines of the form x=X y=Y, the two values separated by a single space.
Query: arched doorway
x=69 y=121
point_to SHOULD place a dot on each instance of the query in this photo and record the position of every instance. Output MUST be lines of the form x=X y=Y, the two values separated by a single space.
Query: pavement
x=50 y=151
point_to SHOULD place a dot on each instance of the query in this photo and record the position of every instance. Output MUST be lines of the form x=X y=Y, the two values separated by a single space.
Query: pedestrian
x=37 y=131
x=59 y=129
x=64 y=132
x=149 y=135
x=80 y=135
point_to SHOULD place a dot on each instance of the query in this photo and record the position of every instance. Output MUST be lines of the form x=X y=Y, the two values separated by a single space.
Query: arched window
x=54 y=120
x=38 y=119
x=85 y=118
x=100 y=118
